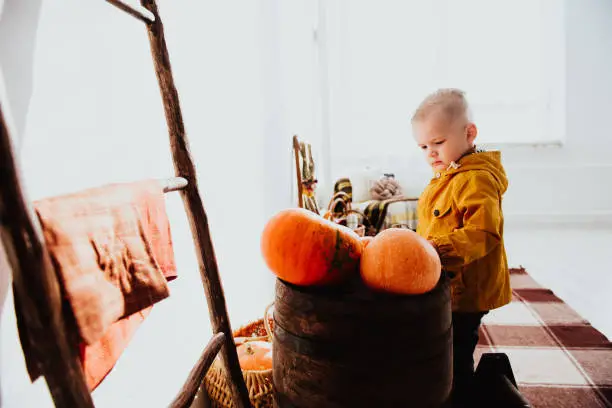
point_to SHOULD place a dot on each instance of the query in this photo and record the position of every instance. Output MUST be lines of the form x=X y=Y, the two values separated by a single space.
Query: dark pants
x=465 y=338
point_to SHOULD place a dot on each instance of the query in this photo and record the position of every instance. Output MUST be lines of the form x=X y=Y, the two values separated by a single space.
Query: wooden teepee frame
x=35 y=280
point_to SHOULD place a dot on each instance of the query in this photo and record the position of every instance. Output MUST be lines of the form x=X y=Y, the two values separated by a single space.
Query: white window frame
x=553 y=131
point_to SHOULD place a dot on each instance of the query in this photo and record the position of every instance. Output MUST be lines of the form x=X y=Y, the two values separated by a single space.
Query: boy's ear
x=471 y=131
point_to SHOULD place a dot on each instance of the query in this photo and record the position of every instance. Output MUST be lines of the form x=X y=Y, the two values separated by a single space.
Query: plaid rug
x=559 y=360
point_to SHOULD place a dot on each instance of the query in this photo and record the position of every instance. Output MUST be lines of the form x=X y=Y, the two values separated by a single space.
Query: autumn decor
x=303 y=248
x=400 y=261
x=254 y=348
x=255 y=355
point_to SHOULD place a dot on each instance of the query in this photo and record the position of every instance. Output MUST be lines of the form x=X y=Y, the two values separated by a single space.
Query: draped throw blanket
x=112 y=251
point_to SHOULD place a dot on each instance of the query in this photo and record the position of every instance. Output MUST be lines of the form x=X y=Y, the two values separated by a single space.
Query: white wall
x=573 y=180
x=18 y=19
x=93 y=115
x=374 y=101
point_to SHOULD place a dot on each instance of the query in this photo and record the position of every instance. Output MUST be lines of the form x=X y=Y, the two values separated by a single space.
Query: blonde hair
x=450 y=102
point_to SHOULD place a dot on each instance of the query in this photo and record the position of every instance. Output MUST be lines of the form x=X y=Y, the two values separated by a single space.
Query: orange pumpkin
x=255 y=355
x=400 y=261
x=303 y=248
x=365 y=240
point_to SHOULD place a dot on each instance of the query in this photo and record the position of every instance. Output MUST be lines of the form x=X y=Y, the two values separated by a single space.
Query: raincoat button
x=436 y=212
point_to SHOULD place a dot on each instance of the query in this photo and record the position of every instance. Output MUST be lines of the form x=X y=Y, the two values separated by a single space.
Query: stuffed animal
x=385 y=188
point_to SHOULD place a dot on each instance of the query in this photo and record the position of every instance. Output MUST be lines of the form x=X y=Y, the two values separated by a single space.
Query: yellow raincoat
x=460 y=211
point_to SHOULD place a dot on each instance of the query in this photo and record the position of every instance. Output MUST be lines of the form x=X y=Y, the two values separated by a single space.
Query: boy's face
x=442 y=141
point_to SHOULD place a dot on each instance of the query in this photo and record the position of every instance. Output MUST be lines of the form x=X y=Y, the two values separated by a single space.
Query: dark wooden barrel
x=353 y=348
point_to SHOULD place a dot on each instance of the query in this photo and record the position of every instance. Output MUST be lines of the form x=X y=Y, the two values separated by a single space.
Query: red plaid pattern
x=101 y=241
x=112 y=251
x=559 y=360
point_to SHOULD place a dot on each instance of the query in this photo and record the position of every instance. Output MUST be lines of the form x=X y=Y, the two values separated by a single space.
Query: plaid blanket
x=343 y=185
x=381 y=214
x=112 y=250
x=559 y=360
x=390 y=213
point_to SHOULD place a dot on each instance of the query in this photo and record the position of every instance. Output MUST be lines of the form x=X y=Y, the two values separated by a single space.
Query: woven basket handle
x=267 y=322
x=267 y=337
x=339 y=197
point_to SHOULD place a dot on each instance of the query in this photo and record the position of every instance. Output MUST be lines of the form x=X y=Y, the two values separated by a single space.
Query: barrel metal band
x=335 y=351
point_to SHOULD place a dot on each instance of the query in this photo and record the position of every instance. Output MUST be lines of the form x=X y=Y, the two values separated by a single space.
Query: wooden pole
x=174 y=184
x=36 y=286
x=194 y=207
x=132 y=11
x=296 y=154
x=187 y=394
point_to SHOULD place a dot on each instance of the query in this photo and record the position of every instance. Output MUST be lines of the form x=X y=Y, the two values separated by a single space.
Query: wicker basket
x=258 y=383
x=342 y=201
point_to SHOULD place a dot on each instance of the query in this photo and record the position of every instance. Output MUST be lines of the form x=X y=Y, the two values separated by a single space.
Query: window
x=383 y=57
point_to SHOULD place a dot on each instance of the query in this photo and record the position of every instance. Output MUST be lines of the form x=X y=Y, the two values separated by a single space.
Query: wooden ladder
x=34 y=278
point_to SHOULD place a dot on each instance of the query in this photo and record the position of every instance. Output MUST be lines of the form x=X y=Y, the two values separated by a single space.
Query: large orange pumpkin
x=255 y=355
x=303 y=248
x=400 y=261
